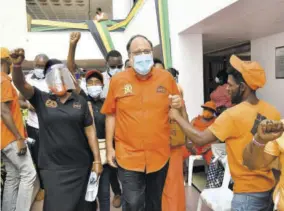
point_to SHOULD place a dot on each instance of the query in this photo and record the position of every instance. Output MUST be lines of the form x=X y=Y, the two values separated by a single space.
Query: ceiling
x=71 y=10
x=242 y=21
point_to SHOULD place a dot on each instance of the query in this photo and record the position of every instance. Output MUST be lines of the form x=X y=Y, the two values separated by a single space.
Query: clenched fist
x=17 y=56
x=75 y=37
x=269 y=130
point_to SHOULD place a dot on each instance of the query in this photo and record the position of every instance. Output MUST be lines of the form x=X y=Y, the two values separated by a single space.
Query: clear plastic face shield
x=59 y=80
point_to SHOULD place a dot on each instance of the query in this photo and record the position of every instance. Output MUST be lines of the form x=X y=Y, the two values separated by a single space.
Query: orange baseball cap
x=252 y=72
x=210 y=105
x=5 y=53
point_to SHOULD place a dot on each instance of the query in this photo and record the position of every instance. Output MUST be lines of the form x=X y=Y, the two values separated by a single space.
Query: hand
x=17 y=56
x=175 y=101
x=22 y=147
x=97 y=167
x=269 y=130
x=75 y=37
x=174 y=114
x=190 y=147
x=31 y=108
x=111 y=157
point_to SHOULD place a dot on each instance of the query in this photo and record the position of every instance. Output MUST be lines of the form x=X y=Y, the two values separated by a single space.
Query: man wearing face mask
x=136 y=109
x=236 y=127
x=114 y=65
x=201 y=123
x=35 y=78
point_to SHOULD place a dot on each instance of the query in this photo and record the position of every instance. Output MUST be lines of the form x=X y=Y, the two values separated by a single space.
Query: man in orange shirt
x=21 y=174
x=137 y=108
x=236 y=127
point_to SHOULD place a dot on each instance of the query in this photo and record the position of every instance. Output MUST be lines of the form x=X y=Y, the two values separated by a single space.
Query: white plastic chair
x=218 y=199
x=191 y=160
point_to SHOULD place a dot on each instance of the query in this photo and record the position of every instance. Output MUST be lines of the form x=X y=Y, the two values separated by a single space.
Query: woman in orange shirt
x=174 y=193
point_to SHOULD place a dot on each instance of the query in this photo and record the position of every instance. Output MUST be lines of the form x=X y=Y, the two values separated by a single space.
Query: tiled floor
x=192 y=196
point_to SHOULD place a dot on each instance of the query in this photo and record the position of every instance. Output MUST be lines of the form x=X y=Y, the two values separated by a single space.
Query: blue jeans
x=104 y=189
x=253 y=201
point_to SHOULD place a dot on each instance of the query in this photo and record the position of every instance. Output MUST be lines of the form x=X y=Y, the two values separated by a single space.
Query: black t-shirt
x=99 y=118
x=63 y=143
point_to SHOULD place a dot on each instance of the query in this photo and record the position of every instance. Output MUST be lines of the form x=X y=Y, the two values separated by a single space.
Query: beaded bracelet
x=17 y=65
x=255 y=142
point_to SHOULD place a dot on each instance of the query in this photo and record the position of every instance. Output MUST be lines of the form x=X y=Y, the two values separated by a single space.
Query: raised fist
x=269 y=130
x=75 y=37
x=17 y=56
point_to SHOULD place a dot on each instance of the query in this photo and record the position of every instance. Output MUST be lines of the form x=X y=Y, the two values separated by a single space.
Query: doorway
x=216 y=61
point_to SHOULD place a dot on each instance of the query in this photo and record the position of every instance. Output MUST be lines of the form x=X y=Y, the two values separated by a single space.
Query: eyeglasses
x=136 y=53
x=116 y=66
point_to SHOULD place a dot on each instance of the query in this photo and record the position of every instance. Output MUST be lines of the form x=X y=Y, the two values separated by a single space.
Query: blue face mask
x=113 y=71
x=143 y=63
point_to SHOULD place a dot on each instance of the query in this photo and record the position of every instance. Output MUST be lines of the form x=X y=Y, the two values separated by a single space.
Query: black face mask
x=238 y=97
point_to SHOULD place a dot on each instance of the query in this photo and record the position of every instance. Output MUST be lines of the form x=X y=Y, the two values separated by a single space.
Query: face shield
x=59 y=79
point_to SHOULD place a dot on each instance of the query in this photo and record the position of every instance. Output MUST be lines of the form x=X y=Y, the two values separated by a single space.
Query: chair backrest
x=227 y=175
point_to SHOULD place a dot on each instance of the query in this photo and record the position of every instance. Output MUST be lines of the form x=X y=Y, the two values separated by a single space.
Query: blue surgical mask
x=143 y=63
x=95 y=91
x=113 y=71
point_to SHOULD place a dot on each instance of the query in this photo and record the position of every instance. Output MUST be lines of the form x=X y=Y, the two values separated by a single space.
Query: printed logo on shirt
x=161 y=89
x=51 y=103
x=258 y=120
x=77 y=105
x=128 y=89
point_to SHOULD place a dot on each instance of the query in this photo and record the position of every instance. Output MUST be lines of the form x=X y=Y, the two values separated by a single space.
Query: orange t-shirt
x=237 y=126
x=141 y=107
x=276 y=148
x=9 y=94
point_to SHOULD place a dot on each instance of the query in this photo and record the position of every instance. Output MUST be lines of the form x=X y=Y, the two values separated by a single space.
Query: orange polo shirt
x=237 y=126
x=9 y=94
x=141 y=107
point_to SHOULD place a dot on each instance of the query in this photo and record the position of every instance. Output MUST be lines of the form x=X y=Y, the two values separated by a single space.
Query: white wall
x=144 y=23
x=263 y=51
x=186 y=13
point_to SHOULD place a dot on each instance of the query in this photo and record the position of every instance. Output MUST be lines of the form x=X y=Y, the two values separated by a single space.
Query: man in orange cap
x=21 y=174
x=201 y=123
x=236 y=127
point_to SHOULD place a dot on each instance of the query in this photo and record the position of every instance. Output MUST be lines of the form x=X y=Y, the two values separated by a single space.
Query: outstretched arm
x=18 y=56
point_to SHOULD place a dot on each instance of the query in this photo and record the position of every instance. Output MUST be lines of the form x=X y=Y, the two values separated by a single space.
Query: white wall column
x=121 y=8
x=187 y=56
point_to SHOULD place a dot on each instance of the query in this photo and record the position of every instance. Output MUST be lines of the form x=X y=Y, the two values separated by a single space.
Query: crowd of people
x=129 y=126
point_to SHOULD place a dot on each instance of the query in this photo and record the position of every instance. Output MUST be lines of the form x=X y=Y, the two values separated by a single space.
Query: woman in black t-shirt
x=68 y=144
x=94 y=81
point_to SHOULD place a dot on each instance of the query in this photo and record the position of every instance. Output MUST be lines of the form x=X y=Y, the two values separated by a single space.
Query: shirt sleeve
x=109 y=106
x=36 y=98
x=224 y=127
x=88 y=119
x=272 y=148
x=7 y=91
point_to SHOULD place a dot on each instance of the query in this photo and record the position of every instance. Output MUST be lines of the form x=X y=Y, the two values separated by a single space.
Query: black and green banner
x=164 y=31
x=101 y=35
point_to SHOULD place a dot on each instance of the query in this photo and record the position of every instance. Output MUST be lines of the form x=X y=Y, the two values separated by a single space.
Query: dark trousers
x=34 y=148
x=104 y=189
x=142 y=191
x=115 y=186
